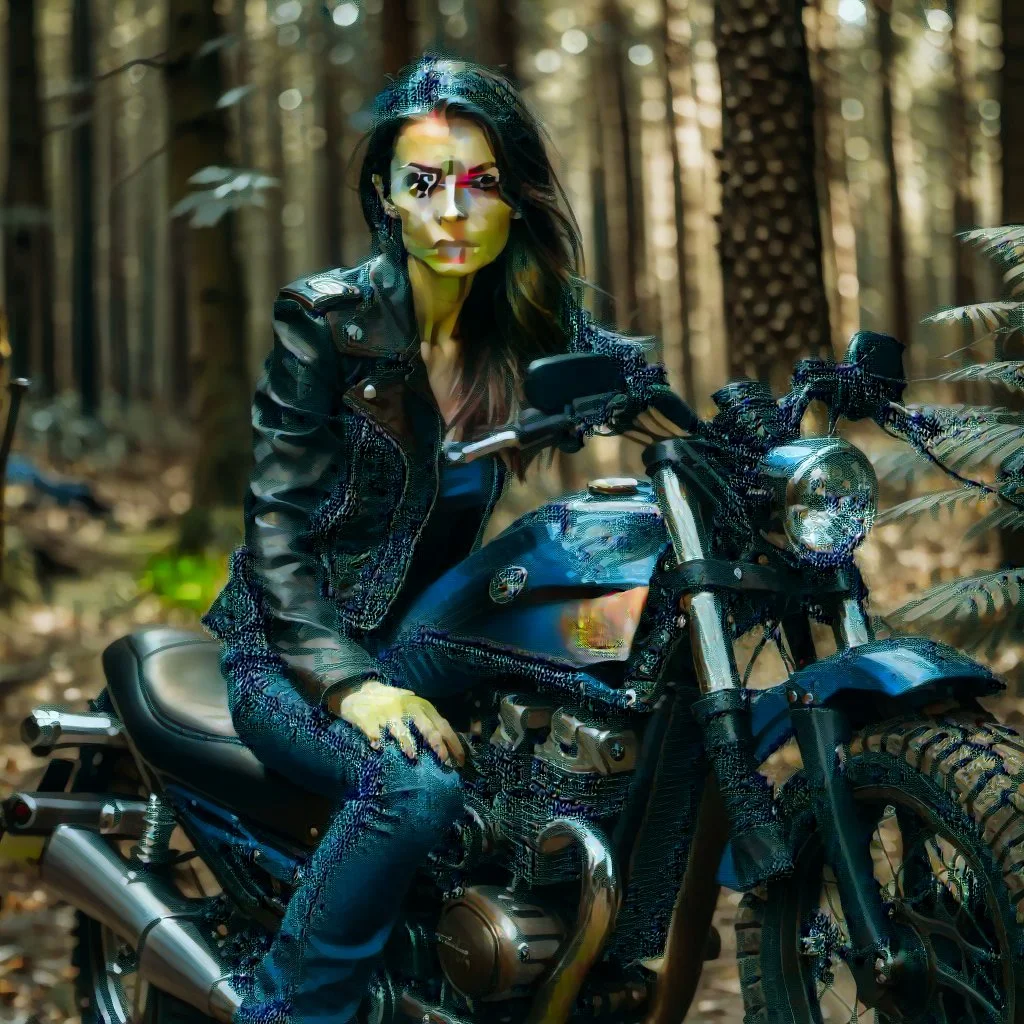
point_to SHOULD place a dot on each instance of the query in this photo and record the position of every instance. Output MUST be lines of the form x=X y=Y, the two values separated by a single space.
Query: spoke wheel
x=948 y=872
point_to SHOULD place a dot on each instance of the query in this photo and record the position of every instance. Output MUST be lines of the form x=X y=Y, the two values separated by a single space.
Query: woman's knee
x=424 y=792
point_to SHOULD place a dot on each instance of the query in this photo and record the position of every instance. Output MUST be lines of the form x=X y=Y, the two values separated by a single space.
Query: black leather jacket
x=347 y=437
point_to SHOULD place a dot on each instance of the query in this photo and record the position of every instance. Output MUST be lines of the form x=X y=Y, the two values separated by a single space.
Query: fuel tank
x=566 y=582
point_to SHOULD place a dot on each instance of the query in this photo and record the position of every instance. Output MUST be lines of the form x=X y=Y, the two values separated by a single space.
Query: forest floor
x=78 y=578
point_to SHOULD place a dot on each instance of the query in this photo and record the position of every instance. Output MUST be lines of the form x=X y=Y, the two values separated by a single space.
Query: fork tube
x=851 y=626
x=723 y=711
x=714 y=659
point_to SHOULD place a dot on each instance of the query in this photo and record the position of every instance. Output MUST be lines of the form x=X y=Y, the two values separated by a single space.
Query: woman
x=348 y=515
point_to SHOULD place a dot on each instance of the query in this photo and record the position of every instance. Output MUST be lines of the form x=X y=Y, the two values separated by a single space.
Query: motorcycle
x=613 y=781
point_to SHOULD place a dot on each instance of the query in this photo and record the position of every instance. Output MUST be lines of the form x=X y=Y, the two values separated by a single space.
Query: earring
x=517 y=215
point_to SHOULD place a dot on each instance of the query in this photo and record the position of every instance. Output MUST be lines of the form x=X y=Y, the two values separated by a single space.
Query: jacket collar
x=385 y=324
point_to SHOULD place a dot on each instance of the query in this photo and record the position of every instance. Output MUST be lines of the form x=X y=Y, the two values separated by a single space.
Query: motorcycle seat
x=169 y=693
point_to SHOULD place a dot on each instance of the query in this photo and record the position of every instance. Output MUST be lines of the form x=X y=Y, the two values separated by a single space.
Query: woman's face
x=444 y=185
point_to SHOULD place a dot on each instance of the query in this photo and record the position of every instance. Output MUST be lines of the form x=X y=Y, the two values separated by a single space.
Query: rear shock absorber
x=154 y=845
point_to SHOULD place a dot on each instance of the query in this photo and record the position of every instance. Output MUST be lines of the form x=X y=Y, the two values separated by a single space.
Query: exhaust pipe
x=48 y=729
x=144 y=910
x=38 y=814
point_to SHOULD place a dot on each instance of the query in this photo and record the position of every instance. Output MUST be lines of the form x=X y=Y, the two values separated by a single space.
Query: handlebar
x=533 y=429
x=868 y=383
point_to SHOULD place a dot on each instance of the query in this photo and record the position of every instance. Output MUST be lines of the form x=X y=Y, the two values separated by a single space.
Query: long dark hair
x=521 y=306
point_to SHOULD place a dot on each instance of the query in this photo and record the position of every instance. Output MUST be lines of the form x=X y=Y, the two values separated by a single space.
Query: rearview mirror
x=881 y=357
x=554 y=382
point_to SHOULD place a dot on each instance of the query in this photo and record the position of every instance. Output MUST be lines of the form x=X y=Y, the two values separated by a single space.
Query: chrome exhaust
x=38 y=814
x=48 y=729
x=600 y=897
x=146 y=911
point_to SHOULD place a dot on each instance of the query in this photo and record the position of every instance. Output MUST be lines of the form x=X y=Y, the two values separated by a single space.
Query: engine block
x=548 y=762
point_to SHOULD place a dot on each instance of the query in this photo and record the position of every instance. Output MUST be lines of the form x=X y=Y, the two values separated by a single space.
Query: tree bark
x=275 y=196
x=147 y=229
x=621 y=198
x=330 y=162
x=28 y=234
x=1012 y=129
x=965 y=217
x=199 y=138
x=505 y=38
x=677 y=63
x=900 y=312
x=1012 y=138
x=776 y=306
x=84 y=334
x=117 y=311
x=399 y=35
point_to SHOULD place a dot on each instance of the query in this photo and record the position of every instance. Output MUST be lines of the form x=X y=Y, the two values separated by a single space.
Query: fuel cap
x=613 y=485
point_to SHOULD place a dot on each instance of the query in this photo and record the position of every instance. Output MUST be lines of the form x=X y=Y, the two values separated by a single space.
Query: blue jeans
x=391 y=812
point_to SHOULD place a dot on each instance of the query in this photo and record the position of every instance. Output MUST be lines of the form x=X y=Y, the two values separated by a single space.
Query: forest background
x=754 y=180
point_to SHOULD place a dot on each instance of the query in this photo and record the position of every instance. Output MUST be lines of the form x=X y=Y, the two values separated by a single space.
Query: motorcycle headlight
x=824 y=497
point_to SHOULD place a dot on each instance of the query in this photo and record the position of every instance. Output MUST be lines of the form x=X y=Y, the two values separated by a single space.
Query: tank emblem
x=507 y=584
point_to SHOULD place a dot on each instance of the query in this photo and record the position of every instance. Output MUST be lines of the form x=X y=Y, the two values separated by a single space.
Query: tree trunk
x=28 y=233
x=275 y=196
x=242 y=74
x=603 y=300
x=505 y=38
x=331 y=163
x=901 y=323
x=180 y=375
x=147 y=228
x=677 y=64
x=776 y=306
x=1012 y=138
x=83 y=320
x=199 y=138
x=399 y=35
x=145 y=384
x=117 y=311
x=965 y=217
x=621 y=199
x=1012 y=129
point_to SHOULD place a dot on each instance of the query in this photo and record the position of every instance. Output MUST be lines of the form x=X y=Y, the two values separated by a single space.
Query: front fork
x=758 y=844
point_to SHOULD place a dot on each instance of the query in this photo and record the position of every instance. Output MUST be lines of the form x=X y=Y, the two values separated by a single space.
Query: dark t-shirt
x=447 y=538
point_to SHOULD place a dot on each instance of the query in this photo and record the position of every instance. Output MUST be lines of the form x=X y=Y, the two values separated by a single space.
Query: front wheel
x=948 y=850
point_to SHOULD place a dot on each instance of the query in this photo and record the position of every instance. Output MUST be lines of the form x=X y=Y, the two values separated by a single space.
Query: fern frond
x=1009 y=373
x=900 y=468
x=966 y=601
x=929 y=503
x=1014 y=279
x=990 y=315
x=958 y=414
x=980 y=444
x=987 y=238
x=1002 y=517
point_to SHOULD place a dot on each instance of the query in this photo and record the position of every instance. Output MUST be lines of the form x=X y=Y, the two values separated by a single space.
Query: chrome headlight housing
x=824 y=494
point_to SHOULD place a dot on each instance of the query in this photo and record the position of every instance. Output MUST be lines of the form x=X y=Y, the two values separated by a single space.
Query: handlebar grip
x=673 y=408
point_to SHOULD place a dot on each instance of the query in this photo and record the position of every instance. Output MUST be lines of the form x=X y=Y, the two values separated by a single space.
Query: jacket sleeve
x=296 y=445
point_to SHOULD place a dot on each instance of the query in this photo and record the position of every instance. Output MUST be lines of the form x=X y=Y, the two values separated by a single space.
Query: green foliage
x=1009 y=373
x=929 y=503
x=185 y=580
x=983 y=610
x=228 y=188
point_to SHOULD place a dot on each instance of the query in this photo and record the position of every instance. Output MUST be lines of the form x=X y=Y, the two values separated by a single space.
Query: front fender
x=911 y=670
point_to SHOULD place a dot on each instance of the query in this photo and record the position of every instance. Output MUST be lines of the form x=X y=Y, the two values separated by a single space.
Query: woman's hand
x=375 y=708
